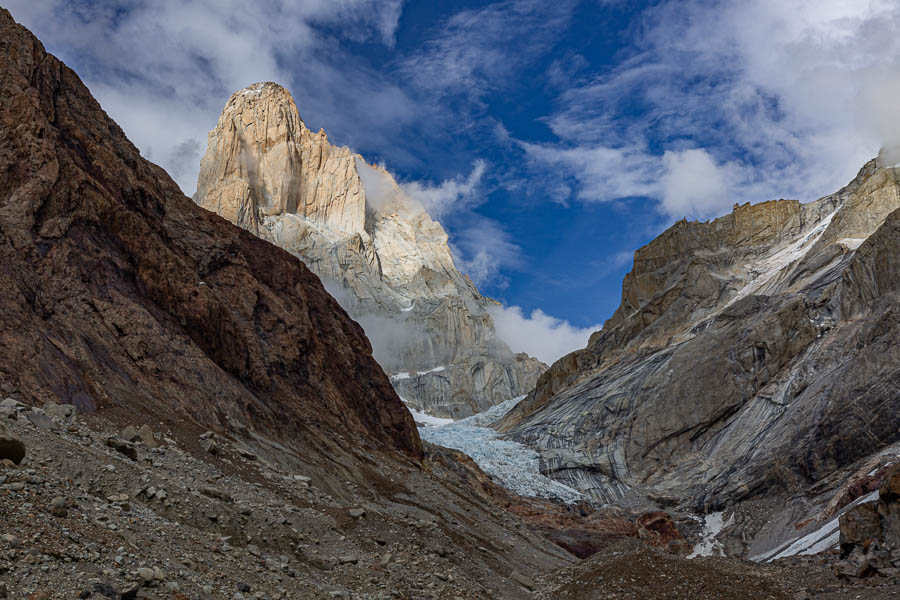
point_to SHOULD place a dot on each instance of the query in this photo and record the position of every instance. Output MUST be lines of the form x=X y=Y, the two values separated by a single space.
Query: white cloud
x=449 y=195
x=481 y=247
x=602 y=173
x=538 y=334
x=164 y=69
x=692 y=184
x=783 y=99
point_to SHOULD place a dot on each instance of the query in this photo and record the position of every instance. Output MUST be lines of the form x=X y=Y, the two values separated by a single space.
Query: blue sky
x=551 y=139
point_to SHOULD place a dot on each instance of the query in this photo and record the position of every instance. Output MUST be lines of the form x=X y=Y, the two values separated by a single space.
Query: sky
x=550 y=139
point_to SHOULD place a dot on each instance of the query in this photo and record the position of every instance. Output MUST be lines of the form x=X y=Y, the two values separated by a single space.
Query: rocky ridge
x=753 y=358
x=375 y=247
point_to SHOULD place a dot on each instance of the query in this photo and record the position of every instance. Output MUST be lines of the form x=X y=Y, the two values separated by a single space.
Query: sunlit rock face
x=376 y=248
x=751 y=356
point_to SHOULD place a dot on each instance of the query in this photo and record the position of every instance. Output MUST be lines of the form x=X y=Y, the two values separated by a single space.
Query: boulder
x=10 y=407
x=11 y=446
x=657 y=529
x=41 y=421
x=62 y=413
x=210 y=445
x=143 y=435
x=889 y=507
x=889 y=490
x=59 y=507
x=122 y=447
x=859 y=526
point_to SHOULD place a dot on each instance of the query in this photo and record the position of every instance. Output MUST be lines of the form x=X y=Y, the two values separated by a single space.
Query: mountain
x=117 y=292
x=273 y=455
x=754 y=358
x=375 y=247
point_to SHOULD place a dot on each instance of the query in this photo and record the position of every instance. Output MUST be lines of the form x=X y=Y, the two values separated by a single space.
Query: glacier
x=513 y=465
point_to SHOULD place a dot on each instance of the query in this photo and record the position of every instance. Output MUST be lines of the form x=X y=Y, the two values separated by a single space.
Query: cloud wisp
x=482 y=49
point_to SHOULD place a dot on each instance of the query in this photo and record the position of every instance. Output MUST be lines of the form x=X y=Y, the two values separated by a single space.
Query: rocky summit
x=753 y=362
x=374 y=246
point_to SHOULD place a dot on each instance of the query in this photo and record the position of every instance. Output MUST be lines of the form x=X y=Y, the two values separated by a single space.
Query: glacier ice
x=510 y=463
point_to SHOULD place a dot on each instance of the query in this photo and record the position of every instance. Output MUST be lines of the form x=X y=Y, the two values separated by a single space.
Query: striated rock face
x=377 y=249
x=751 y=357
x=118 y=292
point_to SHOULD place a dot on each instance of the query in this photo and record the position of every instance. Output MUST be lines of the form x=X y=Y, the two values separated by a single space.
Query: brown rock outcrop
x=118 y=292
x=657 y=529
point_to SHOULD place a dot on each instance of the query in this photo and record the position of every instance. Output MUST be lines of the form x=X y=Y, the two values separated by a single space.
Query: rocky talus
x=375 y=247
x=753 y=358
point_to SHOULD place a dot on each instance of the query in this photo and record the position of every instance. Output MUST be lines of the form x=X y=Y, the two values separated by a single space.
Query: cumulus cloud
x=164 y=69
x=692 y=184
x=729 y=102
x=538 y=334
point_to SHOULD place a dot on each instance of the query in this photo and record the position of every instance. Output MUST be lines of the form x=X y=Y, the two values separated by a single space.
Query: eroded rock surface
x=751 y=357
x=377 y=249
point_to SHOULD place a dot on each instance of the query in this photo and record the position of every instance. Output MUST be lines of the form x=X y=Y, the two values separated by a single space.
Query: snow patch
x=407 y=375
x=767 y=268
x=824 y=538
x=425 y=420
x=708 y=545
x=512 y=464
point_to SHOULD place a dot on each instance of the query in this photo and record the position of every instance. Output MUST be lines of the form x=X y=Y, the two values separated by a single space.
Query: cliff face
x=377 y=249
x=118 y=292
x=751 y=357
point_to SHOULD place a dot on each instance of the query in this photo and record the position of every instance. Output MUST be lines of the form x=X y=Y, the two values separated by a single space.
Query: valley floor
x=86 y=517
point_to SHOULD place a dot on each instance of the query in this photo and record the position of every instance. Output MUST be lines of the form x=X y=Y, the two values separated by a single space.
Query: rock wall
x=377 y=249
x=751 y=357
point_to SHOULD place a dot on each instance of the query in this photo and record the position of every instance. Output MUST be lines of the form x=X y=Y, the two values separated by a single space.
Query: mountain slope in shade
x=118 y=292
x=753 y=357
x=376 y=247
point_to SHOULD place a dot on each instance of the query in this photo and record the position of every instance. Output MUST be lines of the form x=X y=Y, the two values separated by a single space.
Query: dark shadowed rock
x=11 y=446
x=657 y=529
